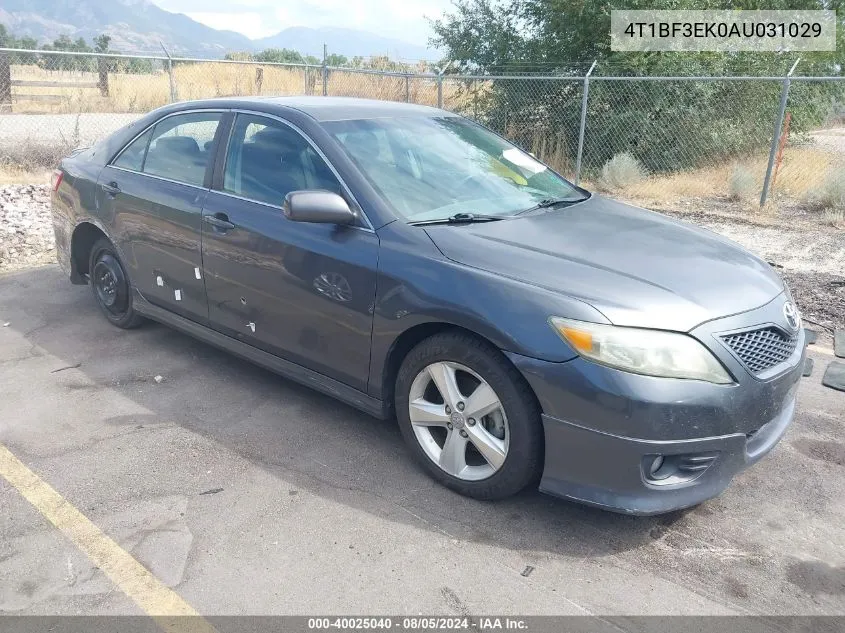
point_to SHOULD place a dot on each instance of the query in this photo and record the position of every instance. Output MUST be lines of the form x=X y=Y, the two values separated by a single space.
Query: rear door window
x=181 y=147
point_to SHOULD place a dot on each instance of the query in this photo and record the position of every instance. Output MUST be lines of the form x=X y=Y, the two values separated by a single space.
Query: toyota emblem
x=793 y=317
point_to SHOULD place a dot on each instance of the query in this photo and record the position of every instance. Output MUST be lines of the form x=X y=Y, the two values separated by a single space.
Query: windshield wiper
x=552 y=202
x=460 y=218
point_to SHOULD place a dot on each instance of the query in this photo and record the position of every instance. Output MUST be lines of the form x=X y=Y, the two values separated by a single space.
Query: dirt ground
x=810 y=256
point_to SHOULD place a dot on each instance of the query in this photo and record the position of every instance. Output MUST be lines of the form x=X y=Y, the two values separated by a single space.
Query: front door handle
x=219 y=221
x=111 y=188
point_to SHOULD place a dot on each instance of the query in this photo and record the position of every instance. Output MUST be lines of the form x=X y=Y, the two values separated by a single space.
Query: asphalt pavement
x=245 y=493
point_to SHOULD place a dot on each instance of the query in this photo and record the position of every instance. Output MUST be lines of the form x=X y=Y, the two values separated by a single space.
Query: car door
x=299 y=290
x=152 y=195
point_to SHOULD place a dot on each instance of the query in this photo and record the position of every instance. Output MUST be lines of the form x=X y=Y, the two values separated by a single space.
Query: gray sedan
x=415 y=265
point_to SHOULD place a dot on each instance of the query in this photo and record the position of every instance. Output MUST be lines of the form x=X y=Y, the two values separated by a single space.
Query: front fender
x=418 y=285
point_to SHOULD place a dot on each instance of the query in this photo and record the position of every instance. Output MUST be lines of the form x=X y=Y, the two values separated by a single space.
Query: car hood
x=637 y=267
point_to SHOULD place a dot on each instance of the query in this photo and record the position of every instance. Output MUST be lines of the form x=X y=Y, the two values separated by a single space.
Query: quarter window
x=267 y=160
x=133 y=156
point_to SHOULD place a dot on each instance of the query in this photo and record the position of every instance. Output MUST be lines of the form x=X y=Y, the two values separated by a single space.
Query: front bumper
x=605 y=427
x=610 y=471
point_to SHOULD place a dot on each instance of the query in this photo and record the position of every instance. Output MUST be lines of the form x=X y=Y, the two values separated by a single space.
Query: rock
x=26 y=226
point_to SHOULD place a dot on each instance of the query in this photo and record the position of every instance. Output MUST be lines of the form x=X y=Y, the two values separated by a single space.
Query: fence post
x=5 y=80
x=325 y=71
x=407 y=89
x=169 y=73
x=582 y=128
x=259 y=79
x=440 y=89
x=306 y=80
x=103 y=76
x=784 y=96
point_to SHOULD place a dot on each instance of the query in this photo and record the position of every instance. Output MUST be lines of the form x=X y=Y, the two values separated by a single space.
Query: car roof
x=324 y=108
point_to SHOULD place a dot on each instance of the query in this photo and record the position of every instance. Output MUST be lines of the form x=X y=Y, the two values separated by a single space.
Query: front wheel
x=469 y=417
x=110 y=285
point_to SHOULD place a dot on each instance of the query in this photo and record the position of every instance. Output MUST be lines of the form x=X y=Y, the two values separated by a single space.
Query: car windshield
x=434 y=168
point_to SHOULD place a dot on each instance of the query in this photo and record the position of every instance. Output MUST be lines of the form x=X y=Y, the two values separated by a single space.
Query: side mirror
x=322 y=207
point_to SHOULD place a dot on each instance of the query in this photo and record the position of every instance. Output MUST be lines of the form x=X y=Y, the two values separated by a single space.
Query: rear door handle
x=219 y=221
x=111 y=188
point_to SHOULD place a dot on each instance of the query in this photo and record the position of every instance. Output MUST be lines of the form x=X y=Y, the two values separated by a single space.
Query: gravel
x=809 y=257
x=26 y=227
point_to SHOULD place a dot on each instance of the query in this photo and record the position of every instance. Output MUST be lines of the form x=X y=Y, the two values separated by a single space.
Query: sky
x=402 y=19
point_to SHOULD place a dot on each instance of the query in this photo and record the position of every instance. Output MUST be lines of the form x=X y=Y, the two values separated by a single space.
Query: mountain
x=349 y=42
x=139 y=26
x=134 y=25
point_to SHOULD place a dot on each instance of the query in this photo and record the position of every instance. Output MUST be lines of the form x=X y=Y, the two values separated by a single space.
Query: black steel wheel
x=111 y=286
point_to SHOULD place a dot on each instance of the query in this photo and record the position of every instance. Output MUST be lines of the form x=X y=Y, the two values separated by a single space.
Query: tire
x=515 y=425
x=110 y=285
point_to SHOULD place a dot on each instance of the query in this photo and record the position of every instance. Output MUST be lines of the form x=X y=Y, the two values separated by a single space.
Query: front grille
x=761 y=349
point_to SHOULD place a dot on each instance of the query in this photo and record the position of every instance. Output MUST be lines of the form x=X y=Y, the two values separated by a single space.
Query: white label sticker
x=178 y=294
x=159 y=281
x=197 y=273
x=521 y=159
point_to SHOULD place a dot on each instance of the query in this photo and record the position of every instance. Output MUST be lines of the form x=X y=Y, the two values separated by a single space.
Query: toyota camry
x=520 y=329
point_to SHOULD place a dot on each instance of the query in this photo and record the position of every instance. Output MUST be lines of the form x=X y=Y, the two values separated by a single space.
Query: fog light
x=663 y=470
x=655 y=466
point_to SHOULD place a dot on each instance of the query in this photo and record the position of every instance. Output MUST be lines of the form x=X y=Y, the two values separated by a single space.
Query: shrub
x=29 y=156
x=835 y=218
x=623 y=170
x=741 y=183
x=831 y=194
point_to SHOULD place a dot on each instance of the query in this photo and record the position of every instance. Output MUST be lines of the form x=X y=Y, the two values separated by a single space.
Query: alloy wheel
x=459 y=421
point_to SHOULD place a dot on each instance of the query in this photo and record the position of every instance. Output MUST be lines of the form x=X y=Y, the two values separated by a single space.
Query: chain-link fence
x=715 y=142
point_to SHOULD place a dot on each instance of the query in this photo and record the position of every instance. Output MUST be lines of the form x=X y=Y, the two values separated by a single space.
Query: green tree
x=334 y=59
x=63 y=62
x=8 y=40
x=239 y=56
x=664 y=124
x=101 y=43
x=280 y=56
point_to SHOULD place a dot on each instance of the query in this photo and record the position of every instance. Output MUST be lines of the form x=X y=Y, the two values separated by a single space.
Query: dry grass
x=802 y=171
x=553 y=150
x=14 y=175
x=144 y=92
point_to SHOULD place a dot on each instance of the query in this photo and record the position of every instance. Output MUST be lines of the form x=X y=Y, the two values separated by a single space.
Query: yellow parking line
x=131 y=577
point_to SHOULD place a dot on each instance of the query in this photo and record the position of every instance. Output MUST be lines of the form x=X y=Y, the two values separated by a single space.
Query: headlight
x=642 y=351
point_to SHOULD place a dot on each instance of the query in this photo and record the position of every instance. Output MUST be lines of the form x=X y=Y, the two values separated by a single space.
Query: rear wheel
x=110 y=285
x=469 y=417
